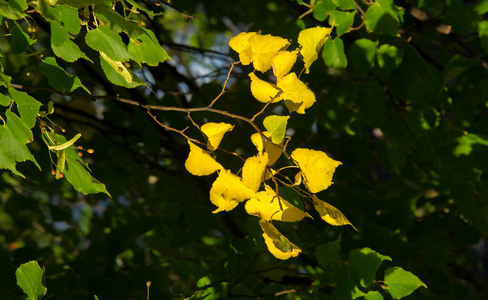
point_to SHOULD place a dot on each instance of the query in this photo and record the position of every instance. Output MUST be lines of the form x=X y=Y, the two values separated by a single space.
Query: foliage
x=394 y=91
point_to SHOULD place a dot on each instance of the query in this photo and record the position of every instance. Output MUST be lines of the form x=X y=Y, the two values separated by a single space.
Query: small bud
x=80 y=154
x=90 y=151
x=53 y=172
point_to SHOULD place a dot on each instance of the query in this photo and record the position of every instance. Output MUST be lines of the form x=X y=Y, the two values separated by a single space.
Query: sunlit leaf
x=253 y=171
x=363 y=264
x=317 y=168
x=215 y=132
x=283 y=62
x=29 y=278
x=401 y=283
x=274 y=151
x=330 y=214
x=199 y=162
x=268 y=206
x=77 y=172
x=104 y=39
x=240 y=44
x=264 y=47
x=297 y=92
x=227 y=191
x=28 y=107
x=264 y=91
x=311 y=41
x=276 y=126
x=277 y=243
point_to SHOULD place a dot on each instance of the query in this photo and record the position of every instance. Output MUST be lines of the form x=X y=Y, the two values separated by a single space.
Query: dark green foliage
x=401 y=102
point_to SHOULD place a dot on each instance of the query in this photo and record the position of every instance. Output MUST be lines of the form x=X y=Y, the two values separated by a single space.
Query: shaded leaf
x=333 y=54
x=60 y=79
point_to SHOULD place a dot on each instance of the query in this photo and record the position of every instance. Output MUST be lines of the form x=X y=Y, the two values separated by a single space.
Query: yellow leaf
x=277 y=243
x=317 y=168
x=263 y=91
x=240 y=44
x=296 y=91
x=266 y=205
x=311 y=41
x=253 y=170
x=283 y=62
x=199 y=162
x=215 y=132
x=263 y=48
x=274 y=151
x=330 y=214
x=227 y=191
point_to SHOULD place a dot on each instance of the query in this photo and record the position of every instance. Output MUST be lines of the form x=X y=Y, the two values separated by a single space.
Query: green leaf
x=27 y=106
x=104 y=39
x=346 y=289
x=466 y=142
x=13 y=9
x=322 y=10
x=383 y=17
x=373 y=107
x=344 y=4
x=206 y=290
x=29 y=279
x=20 y=40
x=373 y=295
x=60 y=79
x=342 y=20
x=142 y=8
x=145 y=48
x=63 y=46
x=120 y=76
x=333 y=53
x=483 y=34
x=389 y=58
x=68 y=16
x=401 y=283
x=11 y=151
x=77 y=173
x=19 y=129
x=328 y=255
x=115 y=20
x=5 y=100
x=362 y=54
x=83 y=3
x=457 y=65
x=363 y=264
x=276 y=126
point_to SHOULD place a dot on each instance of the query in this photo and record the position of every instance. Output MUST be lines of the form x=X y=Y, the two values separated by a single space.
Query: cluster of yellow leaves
x=267 y=52
x=315 y=168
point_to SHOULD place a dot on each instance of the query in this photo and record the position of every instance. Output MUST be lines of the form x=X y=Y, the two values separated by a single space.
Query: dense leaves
x=396 y=93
